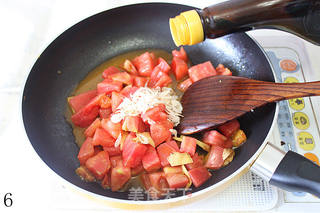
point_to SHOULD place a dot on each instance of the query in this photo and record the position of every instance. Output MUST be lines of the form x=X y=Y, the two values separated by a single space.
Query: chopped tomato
x=144 y=63
x=164 y=150
x=86 y=151
x=106 y=182
x=105 y=102
x=179 y=68
x=173 y=144
x=221 y=70
x=85 y=116
x=159 y=132
x=128 y=66
x=163 y=65
x=103 y=138
x=214 y=137
x=177 y=180
x=85 y=174
x=197 y=162
x=150 y=160
x=188 y=145
x=133 y=124
x=180 y=54
x=139 y=81
x=145 y=180
x=109 y=71
x=214 y=160
x=128 y=91
x=122 y=77
x=201 y=71
x=184 y=85
x=116 y=100
x=119 y=176
x=164 y=81
x=159 y=183
x=155 y=114
x=137 y=170
x=113 y=129
x=79 y=101
x=116 y=161
x=132 y=152
x=89 y=132
x=112 y=151
x=105 y=113
x=108 y=86
x=199 y=176
x=99 y=164
x=229 y=128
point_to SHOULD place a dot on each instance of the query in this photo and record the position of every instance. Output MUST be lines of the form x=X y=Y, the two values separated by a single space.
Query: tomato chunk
x=221 y=70
x=132 y=152
x=133 y=124
x=188 y=145
x=159 y=183
x=179 y=68
x=79 y=101
x=105 y=113
x=180 y=54
x=116 y=100
x=159 y=132
x=103 y=138
x=155 y=114
x=164 y=150
x=199 y=176
x=122 y=77
x=176 y=181
x=128 y=91
x=86 y=151
x=197 y=162
x=184 y=85
x=137 y=170
x=150 y=160
x=173 y=144
x=128 y=66
x=99 y=164
x=201 y=71
x=109 y=71
x=229 y=128
x=108 y=86
x=113 y=129
x=119 y=176
x=112 y=151
x=105 y=102
x=214 y=137
x=144 y=63
x=164 y=81
x=85 y=174
x=163 y=65
x=85 y=116
x=89 y=132
x=215 y=160
x=139 y=81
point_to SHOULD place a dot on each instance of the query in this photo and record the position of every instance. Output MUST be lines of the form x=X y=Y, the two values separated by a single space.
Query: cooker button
x=312 y=157
x=306 y=141
x=300 y=120
x=288 y=65
x=296 y=103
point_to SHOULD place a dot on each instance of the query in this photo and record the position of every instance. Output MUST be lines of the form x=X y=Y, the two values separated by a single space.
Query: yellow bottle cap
x=186 y=28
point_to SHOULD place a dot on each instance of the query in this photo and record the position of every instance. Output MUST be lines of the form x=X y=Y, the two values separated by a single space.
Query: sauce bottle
x=300 y=17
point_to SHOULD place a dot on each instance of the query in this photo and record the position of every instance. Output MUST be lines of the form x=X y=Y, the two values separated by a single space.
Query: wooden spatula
x=215 y=100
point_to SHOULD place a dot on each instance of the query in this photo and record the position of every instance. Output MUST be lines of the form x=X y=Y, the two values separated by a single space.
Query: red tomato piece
x=137 y=170
x=179 y=68
x=105 y=113
x=164 y=150
x=109 y=71
x=86 y=151
x=122 y=77
x=221 y=70
x=99 y=164
x=145 y=180
x=180 y=54
x=173 y=144
x=214 y=137
x=128 y=91
x=139 y=81
x=150 y=160
x=79 y=101
x=106 y=182
x=113 y=129
x=112 y=151
x=85 y=116
x=176 y=181
x=155 y=114
x=108 y=86
x=184 y=85
x=215 y=160
x=188 y=145
x=164 y=81
x=116 y=100
x=229 y=128
x=89 y=132
x=119 y=176
x=201 y=71
x=144 y=63
x=199 y=176
x=105 y=102
x=163 y=65
x=133 y=124
x=132 y=152
x=197 y=162
x=103 y=138
x=159 y=132
x=116 y=161
x=159 y=183
x=128 y=66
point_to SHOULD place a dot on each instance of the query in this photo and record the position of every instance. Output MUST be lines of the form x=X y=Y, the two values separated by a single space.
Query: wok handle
x=289 y=171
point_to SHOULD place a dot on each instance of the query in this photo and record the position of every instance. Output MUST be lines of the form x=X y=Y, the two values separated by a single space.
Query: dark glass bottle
x=299 y=17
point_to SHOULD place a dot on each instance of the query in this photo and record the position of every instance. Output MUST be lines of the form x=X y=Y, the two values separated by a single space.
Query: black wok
x=81 y=48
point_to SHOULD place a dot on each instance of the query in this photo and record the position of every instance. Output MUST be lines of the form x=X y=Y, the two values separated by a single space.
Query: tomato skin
x=200 y=71
x=199 y=176
x=215 y=160
x=150 y=160
x=103 y=138
x=188 y=145
x=164 y=150
x=128 y=66
x=113 y=129
x=107 y=86
x=144 y=63
x=99 y=164
x=132 y=152
x=159 y=133
x=105 y=113
x=229 y=128
x=79 y=101
x=176 y=181
x=184 y=85
x=180 y=54
x=119 y=176
x=179 y=68
x=89 y=132
x=85 y=116
x=86 y=151
x=214 y=137
x=116 y=100
x=197 y=162
x=133 y=124
x=109 y=71
x=122 y=77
